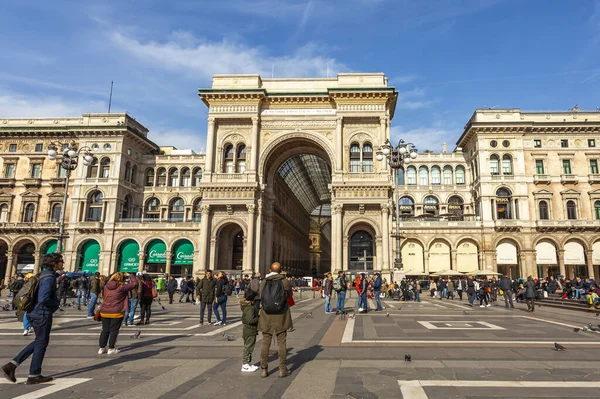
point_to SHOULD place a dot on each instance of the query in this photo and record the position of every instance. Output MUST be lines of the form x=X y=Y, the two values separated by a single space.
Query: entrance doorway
x=230 y=248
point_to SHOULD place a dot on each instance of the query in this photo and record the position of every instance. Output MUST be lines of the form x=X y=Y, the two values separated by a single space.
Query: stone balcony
x=542 y=179
x=567 y=225
x=594 y=178
x=7 y=182
x=508 y=225
x=22 y=227
x=32 y=182
x=231 y=177
x=88 y=227
x=441 y=224
x=155 y=224
x=569 y=179
x=58 y=181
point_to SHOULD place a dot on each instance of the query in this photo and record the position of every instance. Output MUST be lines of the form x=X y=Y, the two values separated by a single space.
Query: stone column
x=268 y=243
x=204 y=234
x=113 y=263
x=382 y=137
x=426 y=261
x=249 y=260
x=454 y=260
x=258 y=238
x=385 y=231
x=142 y=261
x=210 y=144
x=337 y=236
x=345 y=262
x=169 y=262
x=9 y=265
x=339 y=139
x=561 y=262
x=590 y=263
x=214 y=244
x=254 y=155
x=37 y=257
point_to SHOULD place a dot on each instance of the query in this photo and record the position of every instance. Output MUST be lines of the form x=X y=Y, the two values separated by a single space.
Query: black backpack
x=273 y=298
x=227 y=290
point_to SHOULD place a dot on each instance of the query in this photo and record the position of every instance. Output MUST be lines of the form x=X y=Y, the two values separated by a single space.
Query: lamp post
x=69 y=162
x=396 y=157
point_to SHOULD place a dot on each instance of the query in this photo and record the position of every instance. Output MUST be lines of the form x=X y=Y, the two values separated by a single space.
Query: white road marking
x=389 y=305
x=449 y=341
x=348 y=331
x=52 y=387
x=486 y=326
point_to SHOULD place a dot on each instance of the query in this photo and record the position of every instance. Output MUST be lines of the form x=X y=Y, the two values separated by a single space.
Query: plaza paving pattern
x=457 y=352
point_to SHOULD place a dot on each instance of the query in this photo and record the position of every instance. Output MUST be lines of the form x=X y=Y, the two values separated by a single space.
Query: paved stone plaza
x=485 y=352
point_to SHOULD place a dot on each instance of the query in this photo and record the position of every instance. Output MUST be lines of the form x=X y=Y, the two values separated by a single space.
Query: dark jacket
x=505 y=284
x=377 y=284
x=219 y=287
x=47 y=297
x=63 y=284
x=530 y=289
x=343 y=283
x=115 y=296
x=249 y=318
x=470 y=287
x=483 y=287
x=275 y=323
x=95 y=286
x=254 y=285
x=16 y=285
x=328 y=287
x=172 y=285
x=206 y=290
x=146 y=289
x=364 y=284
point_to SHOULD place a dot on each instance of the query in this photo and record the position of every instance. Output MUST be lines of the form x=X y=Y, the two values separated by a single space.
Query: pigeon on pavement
x=137 y=334
x=228 y=337
x=407 y=358
x=309 y=315
x=576 y=329
x=387 y=315
x=163 y=308
x=559 y=347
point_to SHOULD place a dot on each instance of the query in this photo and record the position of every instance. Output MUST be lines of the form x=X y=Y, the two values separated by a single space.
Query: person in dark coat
x=483 y=287
x=530 y=294
x=471 y=290
x=250 y=331
x=220 y=299
x=171 y=288
x=205 y=291
x=145 y=296
x=506 y=286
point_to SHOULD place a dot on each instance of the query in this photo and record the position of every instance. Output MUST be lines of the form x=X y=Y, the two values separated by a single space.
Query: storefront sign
x=50 y=247
x=502 y=200
x=157 y=252
x=574 y=254
x=130 y=259
x=430 y=207
x=545 y=253
x=405 y=207
x=455 y=207
x=506 y=254
x=90 y=256
x=184 y=253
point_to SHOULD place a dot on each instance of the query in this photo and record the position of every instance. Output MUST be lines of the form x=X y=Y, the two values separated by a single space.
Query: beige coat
x=275 y=323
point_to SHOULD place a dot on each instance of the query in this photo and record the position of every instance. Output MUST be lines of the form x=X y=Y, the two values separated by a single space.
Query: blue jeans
x=341 y=300
x=377 y=295
x=81 y=294
x=26 y=323
x=444 y=293
x=472 y=298
x=222 y=303
x=130 y=313
x=92 y=304
x=328 y=304
x=578 y=292
x=42 y=326
x=365 y=304
x=417 y=296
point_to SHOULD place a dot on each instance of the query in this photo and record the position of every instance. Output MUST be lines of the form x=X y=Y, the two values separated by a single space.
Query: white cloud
x=182 y=139
x=21 y=106
x=183 y=52
x=426 y=138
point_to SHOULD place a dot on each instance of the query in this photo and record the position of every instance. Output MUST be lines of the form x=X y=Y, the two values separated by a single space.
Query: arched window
x=436 y=175
x=161 y=177
x=544 y=214
x=503 y=204
x=173 y=177
x=197 y=177
x=460 y=175
x=571 y=210
x=55 y=213
x=411 y=175
x=596 y=209
x=197 y=210
x=127 y=171
x=134 y=175
x=126 y=213
x=29 y=214
x=149 y=177
x=494 y=165
x=400 y=177
x=94 y=212
x=507 y=168
x=228 y=159
x=105 y=168
x=354 y=157
x=406 y=206
x=367 y=158
x=455 y=206
x=448 y=175
x=431 y=205
x=3 y=213
x=185 y=177
x=423 y=176
x=152 y=209
x=176 y=210
x=92 y=170
x=241 y=159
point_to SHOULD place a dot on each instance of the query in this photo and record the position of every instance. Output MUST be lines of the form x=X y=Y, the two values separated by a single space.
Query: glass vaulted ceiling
x=308 y=176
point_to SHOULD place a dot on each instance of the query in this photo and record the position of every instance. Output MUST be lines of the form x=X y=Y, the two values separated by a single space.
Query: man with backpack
x=275 y=318
x=340 y=286
x=40 y=303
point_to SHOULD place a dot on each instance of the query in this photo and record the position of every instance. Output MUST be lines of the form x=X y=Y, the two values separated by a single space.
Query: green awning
x=184 y=253
x=90 y=256
x=49 y=247
x=156 y=252
x=129 y=255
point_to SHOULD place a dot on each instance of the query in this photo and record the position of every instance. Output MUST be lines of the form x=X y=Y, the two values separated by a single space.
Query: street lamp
x=397 y=157
x=69 y=162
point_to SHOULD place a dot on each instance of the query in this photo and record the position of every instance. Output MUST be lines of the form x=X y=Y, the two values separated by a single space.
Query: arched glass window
x=503 y=204
x=507 y=168
x=367 y=158
x=105 y=168
x=400 y=177
x=411 y=175
x=3 y=213
x=161 y=177
x=571 y=210
x=228 y=159
x=354 y=157
x=436 y=175
x=127 y=171
x=134 y=174
x=92 y=170
x=460 y=175
x=544 y=214
x=431 y=205
x=596 y=210
x=126 y=213
x=55 y=213
x=494 y=165
x=197 y=177
x=152 y=209
x=361 y=251
x=176 y=210
x=241 y=159
x=149 y=177
x=185 y=177
x=94 y=212
x=29 y=214
x=173 y=177
x=423 y=176
x=456 y=206
x=197 y=210
x=448 y=175
x=406 y=206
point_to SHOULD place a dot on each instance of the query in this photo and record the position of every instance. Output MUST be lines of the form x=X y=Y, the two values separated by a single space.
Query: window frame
x=538 y=163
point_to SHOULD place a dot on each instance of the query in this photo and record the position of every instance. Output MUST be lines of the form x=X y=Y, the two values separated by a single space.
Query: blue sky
x=446 y=58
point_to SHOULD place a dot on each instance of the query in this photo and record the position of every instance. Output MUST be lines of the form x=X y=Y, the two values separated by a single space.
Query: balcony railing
x=594 y=178
x=29 y=226
x=567 y=225
x=407 y=223
x=569 y=179
x=32 y=182
x=508 y=225
x=57 y=181
x=542 y=179
x=227 y=177
x=149 y=220
x=7 y=182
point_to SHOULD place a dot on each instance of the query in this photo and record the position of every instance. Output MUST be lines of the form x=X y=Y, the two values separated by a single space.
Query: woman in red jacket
x=112 y=310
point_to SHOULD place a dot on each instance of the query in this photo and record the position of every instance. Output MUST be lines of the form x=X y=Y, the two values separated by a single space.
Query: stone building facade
x=290 y=175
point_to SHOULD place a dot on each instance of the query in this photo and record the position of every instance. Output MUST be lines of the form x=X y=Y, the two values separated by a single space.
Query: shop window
x=406 y=206
x=503 y=204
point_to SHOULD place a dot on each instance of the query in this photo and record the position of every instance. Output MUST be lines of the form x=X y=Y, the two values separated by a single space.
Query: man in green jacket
x=275 y=324
x=205 y=291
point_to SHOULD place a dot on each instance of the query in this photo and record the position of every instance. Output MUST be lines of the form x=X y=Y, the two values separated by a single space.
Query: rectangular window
x=494 y=167
x=228 y=166
x=12 y=148
x=591 y=143
x=400 y=177
x=367 y=165
x=39 y=147
x=537 y=143
x=564 y=143
x=355 y=165
x=539 y=167
x=566 y=164
x=594 y=166
x=62 y=172
x=9 y=171
x=36 y=170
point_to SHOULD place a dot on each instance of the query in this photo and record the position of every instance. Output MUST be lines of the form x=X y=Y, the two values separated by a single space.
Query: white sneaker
x=218 y=323
x=482 y=306
x=25 y=333
x=254 y=368
x=101 y=351
x=360 y=309
x=246 y=368
x=113 y=351
x=488 y=305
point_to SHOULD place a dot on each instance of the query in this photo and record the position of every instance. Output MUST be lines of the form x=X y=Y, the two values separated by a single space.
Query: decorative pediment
x=594 y=194
x=570 y=192
x=30 y=195
x=4 y=196
x=543 y=193
x=55 y=194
